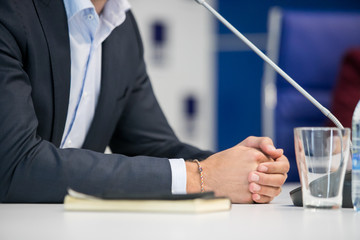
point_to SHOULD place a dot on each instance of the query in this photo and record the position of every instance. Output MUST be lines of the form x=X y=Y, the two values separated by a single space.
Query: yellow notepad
x=185 y=203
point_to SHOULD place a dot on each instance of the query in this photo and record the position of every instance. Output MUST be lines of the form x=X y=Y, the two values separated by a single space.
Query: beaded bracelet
x=201 y=175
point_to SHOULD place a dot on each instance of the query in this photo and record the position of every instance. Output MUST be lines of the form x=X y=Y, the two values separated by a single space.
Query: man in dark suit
x=73 y=81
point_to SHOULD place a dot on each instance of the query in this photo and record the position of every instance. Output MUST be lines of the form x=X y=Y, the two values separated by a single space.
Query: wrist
x=193 y=183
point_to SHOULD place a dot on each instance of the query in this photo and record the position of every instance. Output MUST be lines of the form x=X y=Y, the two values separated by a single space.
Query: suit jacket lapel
x=112 y=83
x=53 y=19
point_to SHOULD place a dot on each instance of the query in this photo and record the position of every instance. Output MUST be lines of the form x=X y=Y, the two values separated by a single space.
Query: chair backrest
x=308 y=46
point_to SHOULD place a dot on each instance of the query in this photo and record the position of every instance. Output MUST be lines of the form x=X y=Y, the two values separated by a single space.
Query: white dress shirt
x=87 y=31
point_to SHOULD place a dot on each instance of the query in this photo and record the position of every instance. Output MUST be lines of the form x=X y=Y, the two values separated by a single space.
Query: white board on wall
x=182 y=65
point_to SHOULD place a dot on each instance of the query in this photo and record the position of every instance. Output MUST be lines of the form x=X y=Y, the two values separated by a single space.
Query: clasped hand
x=252 y=171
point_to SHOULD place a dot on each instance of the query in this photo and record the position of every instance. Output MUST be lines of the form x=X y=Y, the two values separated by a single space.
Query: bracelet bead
x=201 y=171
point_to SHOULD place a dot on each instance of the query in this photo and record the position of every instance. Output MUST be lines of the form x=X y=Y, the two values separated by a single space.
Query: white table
x=278 y=220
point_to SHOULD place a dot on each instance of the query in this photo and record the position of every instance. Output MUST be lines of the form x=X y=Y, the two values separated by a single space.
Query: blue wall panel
x=238 y=98
x=240 y=70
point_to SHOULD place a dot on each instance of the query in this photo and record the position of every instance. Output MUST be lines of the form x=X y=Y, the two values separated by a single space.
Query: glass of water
x=321 y=156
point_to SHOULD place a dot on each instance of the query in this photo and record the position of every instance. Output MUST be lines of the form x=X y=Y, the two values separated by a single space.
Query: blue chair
x=307 y=45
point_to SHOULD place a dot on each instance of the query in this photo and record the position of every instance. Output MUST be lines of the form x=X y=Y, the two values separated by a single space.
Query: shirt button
x=69 y=142
x=86 y=94
x=90 y=17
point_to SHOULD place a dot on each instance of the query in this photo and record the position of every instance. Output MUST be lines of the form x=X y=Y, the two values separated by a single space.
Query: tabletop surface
x=277 y=220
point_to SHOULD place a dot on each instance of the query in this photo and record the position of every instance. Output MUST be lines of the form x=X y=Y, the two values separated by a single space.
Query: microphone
x=325 y=111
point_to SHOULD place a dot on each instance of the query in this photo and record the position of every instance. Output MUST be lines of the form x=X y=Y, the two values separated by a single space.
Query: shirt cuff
x=178 y=173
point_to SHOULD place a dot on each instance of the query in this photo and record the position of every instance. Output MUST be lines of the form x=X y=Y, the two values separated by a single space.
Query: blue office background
x=240 y=70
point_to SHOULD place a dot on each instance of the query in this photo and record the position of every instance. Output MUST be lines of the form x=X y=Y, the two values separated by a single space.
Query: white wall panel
x=187 y=65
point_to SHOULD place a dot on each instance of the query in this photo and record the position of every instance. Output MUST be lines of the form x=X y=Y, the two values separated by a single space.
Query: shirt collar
x=73 y=7
x=114 y=12
x=111 y=10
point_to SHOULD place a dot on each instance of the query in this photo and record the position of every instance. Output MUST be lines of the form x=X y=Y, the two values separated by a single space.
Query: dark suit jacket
x=347 y=89
x=34 y=94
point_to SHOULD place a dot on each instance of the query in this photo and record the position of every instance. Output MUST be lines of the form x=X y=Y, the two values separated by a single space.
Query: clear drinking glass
x=321 y=156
